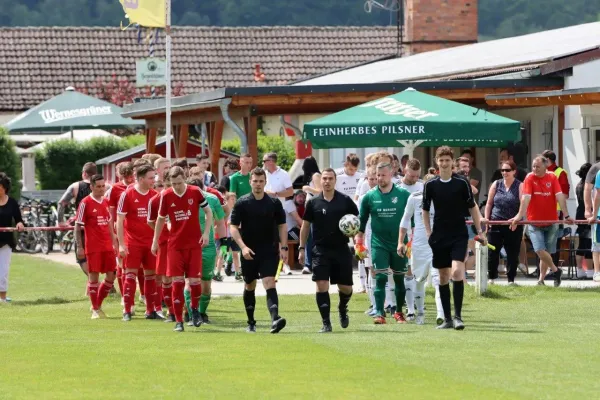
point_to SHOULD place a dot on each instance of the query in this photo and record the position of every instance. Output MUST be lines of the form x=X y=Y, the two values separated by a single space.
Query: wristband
x=284 y=248
x=301 y=248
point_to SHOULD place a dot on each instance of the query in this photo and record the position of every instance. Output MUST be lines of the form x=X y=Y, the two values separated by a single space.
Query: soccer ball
x=349 y=225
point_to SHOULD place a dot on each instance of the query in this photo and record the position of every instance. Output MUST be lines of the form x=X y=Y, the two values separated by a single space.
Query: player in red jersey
x=126 y=178
x=101 y=244
x=181 y=203
x=135 y=240
x=163 y=241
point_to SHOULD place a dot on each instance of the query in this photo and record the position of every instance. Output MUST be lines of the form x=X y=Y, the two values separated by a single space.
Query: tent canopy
x=68 y=110
x=411 y=118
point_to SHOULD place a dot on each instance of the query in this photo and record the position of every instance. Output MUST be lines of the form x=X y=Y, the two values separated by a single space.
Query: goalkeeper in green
x=384 y=205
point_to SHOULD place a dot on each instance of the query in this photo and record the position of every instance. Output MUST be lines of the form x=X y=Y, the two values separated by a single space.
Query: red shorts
x=140 y=257
x=102 y=262
x=162 y=259
x=187 y=262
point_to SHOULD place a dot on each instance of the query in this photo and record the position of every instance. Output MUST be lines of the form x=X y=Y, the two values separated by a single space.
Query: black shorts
x=585 y=248
x=333 y=265
x=263 y=265
x=232 y=244
x=448 y=248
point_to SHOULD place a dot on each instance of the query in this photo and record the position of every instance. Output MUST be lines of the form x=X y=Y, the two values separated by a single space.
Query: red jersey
x=543 y=191
x=183 y=213
x=134 y=206
x=114 y=194
x=95 y=216
x=216 y=193
x=153 y=214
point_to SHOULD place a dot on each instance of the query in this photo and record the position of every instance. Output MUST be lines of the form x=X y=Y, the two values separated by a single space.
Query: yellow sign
x=148 y=13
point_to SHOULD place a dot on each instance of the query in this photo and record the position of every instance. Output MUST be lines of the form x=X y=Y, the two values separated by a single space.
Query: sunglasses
x=505 y=170
x=267 y=160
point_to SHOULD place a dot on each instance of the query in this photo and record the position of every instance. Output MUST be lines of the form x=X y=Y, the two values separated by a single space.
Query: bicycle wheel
x=46 y=241
x=28 y=242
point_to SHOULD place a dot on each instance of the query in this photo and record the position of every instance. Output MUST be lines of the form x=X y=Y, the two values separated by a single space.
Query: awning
x=411 y=117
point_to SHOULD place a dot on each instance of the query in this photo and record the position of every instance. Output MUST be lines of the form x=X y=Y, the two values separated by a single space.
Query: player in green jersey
x=384 y=205
x=209 y=253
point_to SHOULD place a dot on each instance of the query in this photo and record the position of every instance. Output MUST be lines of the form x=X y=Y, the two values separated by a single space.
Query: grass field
x=519 y=343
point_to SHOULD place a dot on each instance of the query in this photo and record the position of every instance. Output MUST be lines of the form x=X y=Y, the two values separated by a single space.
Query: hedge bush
x=284 y=148
x=10 y=163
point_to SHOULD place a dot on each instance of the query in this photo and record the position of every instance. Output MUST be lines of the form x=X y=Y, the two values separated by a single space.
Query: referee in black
x=331 y=258
x=258 y=227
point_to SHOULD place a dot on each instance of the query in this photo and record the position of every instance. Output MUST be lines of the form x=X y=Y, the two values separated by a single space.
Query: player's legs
x=421 y=266
x=250 y=275
x=141 y=277
x=362 y=275
x=390 y=294
x=93 y=292
x=409 y=287
x=193 y=271
x=120 y=276
x=342 y=276
x=268 y=263
x=442 y=261
x=105 y=287
x=208 y=267
x=236 y=264
x=321 y=273
x=381 y=265
x=435 y=280
x=399 y=267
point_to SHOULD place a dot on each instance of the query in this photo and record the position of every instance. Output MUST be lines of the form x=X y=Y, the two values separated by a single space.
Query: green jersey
x=240 y=184
x=218 y=215
x=385 y=211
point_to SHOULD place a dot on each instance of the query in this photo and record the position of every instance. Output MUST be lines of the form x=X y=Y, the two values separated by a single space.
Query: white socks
x=409 y=285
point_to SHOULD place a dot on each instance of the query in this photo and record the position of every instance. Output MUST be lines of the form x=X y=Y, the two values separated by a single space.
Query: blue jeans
x=543 y=237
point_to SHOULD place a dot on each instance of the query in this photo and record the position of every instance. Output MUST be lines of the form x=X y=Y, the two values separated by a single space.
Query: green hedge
x=10 y=163
x=59 y=163
x=286 y=154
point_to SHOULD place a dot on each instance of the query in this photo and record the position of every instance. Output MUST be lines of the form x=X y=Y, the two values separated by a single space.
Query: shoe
x=238 y=277
x=388 y=309
x=160 y=315
x=170 y=318
x=362 y=291
x=306 y=271
x=101 y=314
x=439 y=321
x=217 y=278
x=190 y=323
x=151 y=315
x=491 y=281
x=399 y=317
x=369 y=310
x=580 y=274
x=541 y=283
x=278 y=325
x=196 y=319
x=558 y=277
x=379 y=320
x=286 y=270
x=373 y=313
x=142 y=299
x=458 y=324
x=513 y=284
x=447 y=324
x=326 y=328
x=251 y=327
x=204 y=318
x=596 y=277
x=420 y=320
x=186 y=317
x=229 y=269
x=410 y=317
x=523 y=268
x=178 y=327
x=344 y=320
x=393 y=310
x=95 y=314
x=126 y=317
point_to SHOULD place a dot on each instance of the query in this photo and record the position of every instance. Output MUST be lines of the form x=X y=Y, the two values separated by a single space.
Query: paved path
x=302 y=284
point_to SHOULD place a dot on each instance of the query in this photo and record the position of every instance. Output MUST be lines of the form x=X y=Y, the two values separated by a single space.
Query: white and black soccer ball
x=349 y=225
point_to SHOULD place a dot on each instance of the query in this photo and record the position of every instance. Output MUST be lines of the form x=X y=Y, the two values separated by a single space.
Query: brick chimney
x=438 y=24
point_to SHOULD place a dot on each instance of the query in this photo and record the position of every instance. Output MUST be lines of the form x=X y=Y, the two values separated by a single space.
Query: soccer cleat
x=95 y=314
x=170 y=318
x=178 y=327
x=160 y=315
x=379 y=320
x=447 y=324
x=238 y=277
x=439 y=321
x=142 y=299
x=251 y=327
x=151 y=315
x=101 y=314
x=596 y=277
x=410 y=317
x=369 y=310
x=278 y=325
x=399 y=317
x=373 y=313
x=126 y=317
x=558 y=277
x=541 y=283
x=326 y=328
x=491 y=281
x=306 y=271
x=204 y=318
x=344 y=320
x=420 y=320
x=458 y=324
x=196 y=319
x=229 y=269
x=512 y=283
x=218 y=278
x=286 y=270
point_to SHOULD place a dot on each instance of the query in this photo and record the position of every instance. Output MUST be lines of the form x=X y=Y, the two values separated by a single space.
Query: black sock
x=273 y=303
x=458 y=291
x=344 y=299
x=249 y=304
x=324 y=305
x=445 y=297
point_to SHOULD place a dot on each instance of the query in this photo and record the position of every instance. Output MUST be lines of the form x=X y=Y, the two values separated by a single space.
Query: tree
x=10 y=163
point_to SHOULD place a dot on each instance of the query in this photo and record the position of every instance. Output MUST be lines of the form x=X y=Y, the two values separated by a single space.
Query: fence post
x=481 y=267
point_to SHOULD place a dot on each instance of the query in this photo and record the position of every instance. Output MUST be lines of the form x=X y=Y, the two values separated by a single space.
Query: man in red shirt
x=163 y=240
x=101 y=244
x=181 y=203
x=135 y=240
x=541 y=192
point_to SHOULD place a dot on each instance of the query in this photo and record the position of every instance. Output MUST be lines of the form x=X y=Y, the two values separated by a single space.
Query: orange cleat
x=399 y=317
x=379 y=320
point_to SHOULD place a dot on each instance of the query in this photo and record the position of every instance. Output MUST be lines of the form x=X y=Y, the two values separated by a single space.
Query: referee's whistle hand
x=247 y=253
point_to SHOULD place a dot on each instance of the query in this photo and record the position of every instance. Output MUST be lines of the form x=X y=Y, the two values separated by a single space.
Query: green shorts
x=384 y=259
x=208 y=264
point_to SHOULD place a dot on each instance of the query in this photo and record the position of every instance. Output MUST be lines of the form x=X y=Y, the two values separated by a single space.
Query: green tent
x=71 y=110
x=409 y=119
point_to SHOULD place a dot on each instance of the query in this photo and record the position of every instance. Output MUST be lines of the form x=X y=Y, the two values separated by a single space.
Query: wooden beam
x=195 y=117
x=184 y=134
x=570 y=61
x=251 y=129
x=561 y=128
x=151 y=140
x=215 y=147
x=557 y=100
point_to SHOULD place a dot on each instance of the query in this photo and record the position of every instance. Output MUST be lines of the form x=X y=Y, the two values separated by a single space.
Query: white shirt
x=289 y=207
x=414 y=209
x=417 y=187
x=277 y=182
x=347 y=183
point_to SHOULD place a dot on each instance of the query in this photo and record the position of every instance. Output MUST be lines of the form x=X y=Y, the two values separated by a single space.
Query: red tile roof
x=38 y=63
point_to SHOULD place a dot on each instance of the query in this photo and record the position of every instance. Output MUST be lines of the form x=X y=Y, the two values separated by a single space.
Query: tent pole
x=410 y=146
x=72 y=135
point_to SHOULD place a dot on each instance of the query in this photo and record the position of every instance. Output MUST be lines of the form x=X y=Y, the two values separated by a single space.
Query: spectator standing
x=503 y=203
x=507 y=155
x=584 y=249
x=9 y=214
x=563 y=180
x=231 y=167
x=279 y=184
